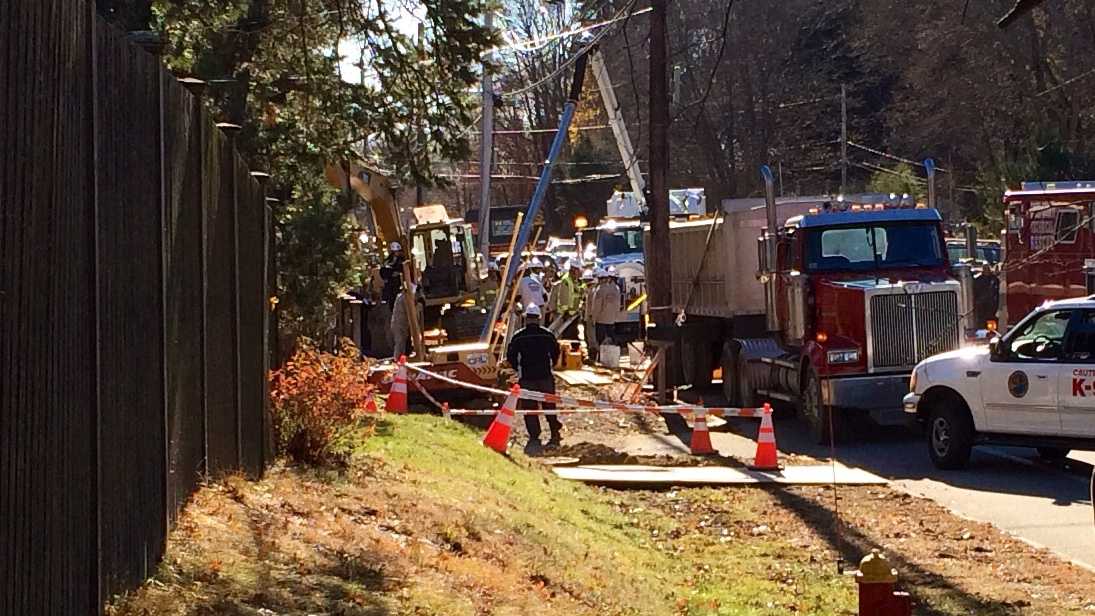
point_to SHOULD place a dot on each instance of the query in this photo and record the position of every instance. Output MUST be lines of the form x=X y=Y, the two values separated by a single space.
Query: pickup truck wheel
x=1053 y=454
x=815 y=413
x=950 y=435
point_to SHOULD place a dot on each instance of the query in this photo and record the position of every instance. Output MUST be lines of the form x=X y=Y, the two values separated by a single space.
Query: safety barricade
x=766 y=456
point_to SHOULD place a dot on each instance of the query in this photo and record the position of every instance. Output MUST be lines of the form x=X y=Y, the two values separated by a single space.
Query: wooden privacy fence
x=134 y=319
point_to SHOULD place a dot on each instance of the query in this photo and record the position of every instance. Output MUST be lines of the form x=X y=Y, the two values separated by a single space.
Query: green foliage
x=273 y=68
x=899 y=180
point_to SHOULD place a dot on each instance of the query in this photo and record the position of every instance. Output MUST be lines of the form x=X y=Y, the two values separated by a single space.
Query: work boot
x=554 y=443
x=534 y=447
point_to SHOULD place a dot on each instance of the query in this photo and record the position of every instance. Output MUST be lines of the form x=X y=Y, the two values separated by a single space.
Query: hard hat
x=395 y=246
x=574 y=264
x=532 y=311
x=599 y=272
x=611 y=271
x=536 y=263
x=492 y=267
x=587 y=274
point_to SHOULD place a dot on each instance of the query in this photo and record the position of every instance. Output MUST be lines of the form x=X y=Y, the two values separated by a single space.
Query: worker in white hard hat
x=533 y=352
x=530 y=290
x=392 y=274
x=605 y=309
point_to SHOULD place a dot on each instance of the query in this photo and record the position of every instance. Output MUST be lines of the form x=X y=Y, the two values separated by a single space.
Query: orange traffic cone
x=701 y=438
x=767 y=458
x=497 y=437
x=397 y=395
x=370 y=406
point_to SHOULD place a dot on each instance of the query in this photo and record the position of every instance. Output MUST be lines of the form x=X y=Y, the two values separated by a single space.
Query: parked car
x=988 y=251
x=1033 y=387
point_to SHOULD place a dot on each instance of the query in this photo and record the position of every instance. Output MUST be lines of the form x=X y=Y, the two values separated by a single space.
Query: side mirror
x=994 y=348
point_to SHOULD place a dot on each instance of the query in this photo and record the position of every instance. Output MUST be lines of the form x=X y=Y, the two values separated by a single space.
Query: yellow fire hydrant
x=876 y=580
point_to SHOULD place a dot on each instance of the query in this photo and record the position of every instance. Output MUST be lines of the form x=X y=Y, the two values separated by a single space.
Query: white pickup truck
x=1032 y=387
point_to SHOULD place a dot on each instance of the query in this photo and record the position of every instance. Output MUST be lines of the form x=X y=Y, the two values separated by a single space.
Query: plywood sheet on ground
x=583 y=377
x=625 y=475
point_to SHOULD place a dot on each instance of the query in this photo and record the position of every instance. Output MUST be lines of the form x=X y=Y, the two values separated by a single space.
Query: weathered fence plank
x=132 y=269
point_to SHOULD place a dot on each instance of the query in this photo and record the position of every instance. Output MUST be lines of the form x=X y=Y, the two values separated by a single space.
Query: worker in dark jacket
x=392 y=274
x=533 y=352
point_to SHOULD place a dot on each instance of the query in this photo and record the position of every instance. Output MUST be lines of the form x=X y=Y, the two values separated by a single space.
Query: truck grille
x=908 y=327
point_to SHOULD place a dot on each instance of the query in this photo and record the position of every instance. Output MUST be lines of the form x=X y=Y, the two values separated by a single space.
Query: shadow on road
x=897 y=453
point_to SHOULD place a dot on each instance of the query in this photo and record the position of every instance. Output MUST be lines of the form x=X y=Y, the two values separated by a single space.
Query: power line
x=571 y=60
x=892 y=156
x=527 y=46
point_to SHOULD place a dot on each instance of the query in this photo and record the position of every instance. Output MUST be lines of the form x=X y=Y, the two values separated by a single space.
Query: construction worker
x=489 y=286
x=606 y=308
x=401 y=326
x=567 y=304
x=392 y=273
x=533 y=352
x=589 y=284
x=531 y=290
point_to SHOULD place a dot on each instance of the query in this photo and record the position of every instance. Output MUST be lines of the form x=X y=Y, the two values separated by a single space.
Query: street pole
x=843 y=139
x=486 y=151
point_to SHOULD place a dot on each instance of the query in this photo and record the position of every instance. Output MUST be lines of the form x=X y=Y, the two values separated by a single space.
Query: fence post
x=93 y=326
x=264 y=180
x=232 y=131
x=153 y=44
x=197 y=89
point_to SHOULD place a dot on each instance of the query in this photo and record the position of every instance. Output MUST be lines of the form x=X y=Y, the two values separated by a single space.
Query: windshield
x=619 y=242
x=869 y=247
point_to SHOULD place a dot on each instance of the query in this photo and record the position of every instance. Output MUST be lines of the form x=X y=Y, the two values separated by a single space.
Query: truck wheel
x=815 y=413
x=950 y=435
x=731 y=378
x=695 y=363
x=1053 y=454
x=701 y=364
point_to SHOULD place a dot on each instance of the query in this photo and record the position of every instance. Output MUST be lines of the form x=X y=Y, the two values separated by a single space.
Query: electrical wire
x=526 y=46
x=571 y=60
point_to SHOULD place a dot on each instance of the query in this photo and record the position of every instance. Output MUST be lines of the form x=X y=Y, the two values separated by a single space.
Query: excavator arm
x=376 y=190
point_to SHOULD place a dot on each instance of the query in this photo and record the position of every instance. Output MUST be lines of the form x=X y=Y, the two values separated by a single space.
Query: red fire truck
x=1048 y=241
x=830 y=312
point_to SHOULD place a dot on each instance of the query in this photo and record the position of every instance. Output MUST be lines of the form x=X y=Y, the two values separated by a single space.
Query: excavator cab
x=444 y=256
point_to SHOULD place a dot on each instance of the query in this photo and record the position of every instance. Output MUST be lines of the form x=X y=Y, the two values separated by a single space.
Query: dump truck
x=822 y=304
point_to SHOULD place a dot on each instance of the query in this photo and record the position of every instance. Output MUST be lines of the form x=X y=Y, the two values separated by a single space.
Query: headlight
x=846 y=356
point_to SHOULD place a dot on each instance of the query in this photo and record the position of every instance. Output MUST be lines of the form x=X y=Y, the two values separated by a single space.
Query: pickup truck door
x=1019 y=389
x=1076 y=379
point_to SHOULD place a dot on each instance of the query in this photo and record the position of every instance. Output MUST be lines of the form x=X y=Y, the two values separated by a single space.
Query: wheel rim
x=941 y=436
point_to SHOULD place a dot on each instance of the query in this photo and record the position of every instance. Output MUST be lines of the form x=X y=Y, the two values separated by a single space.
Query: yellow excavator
x=444 y=264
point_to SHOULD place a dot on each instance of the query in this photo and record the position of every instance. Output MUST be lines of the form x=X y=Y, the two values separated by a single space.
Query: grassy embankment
x=427 y=521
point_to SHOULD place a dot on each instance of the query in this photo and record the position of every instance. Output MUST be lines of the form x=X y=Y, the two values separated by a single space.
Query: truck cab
x=1049 y=239
x=856 y=298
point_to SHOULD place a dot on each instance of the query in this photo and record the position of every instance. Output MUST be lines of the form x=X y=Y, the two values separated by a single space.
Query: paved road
x=1048 y=506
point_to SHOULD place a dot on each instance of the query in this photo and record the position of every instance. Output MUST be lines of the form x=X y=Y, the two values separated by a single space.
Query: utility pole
x=486 y=151
x=658 y=253
x=843 y=139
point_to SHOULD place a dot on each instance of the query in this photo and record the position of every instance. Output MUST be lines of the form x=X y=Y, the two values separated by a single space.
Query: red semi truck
x=824 y=305
x=1049 y=244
